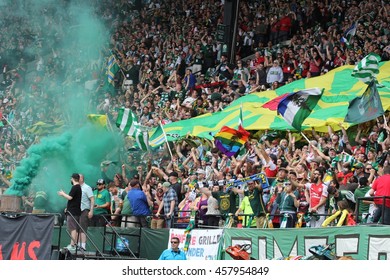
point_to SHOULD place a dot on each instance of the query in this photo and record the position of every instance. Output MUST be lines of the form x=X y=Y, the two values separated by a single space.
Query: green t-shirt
x=101 y=198
x=126 y=208
x=286 y=202
x=227 y=202
x=361 y=192
x=256 y=201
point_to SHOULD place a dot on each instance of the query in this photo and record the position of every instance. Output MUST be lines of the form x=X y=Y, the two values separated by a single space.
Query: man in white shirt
x=87 y=203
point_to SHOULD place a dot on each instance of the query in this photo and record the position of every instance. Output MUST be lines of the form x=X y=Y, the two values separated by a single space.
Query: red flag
x=273 y=104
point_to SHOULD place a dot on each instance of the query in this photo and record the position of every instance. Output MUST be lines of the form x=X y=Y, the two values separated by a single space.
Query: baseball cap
x=166 y=184
x=100 y=181
x=174 y=174
x=359 y=165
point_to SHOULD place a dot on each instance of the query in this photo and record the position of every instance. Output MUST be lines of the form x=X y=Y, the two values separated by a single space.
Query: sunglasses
x=99 y=184
x=174 y=242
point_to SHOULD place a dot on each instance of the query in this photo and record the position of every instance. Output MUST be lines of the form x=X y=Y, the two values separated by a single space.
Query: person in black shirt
x=224 y=70
x=73 y=209
x=173 y=176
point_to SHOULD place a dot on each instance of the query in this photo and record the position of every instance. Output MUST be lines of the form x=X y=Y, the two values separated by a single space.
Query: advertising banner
x=358 y=242
x=26 y=237
x=203 y=244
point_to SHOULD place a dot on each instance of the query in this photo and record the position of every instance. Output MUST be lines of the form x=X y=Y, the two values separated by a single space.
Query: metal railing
x=78 y=251
x=372 y=198
x=116 y=237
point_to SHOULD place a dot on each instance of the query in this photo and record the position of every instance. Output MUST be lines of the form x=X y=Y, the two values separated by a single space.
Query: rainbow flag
x=229 y=140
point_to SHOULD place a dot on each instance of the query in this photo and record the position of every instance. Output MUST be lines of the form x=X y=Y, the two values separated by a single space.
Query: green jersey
x=101 y=198
x=227 y=201
x=359 y=193
x=256 y=200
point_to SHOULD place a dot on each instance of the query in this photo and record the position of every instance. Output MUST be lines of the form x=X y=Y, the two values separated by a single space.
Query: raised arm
x=345 y=137
x=160 y=173
x=321 y=154
x=330 y=131
x=314 y=133
x=125 y=179
x=357 y=138
x=5 y=180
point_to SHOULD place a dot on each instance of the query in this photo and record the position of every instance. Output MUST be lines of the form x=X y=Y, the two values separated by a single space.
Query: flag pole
x=17 y=131
x=166 y=139
x=109 y=123
x=304 y=136
x=384 y=119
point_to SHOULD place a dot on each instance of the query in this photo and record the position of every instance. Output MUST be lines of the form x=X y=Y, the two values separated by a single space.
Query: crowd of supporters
x=172 y=68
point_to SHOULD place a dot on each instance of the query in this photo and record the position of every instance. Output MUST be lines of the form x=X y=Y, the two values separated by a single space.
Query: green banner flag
x=339 y=89
x=366 y=107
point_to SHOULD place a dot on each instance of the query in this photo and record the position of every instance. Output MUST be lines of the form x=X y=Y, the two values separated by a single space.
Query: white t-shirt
x=86 y=194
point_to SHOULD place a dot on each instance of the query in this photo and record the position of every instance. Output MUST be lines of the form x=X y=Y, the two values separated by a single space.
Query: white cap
x=201 y=171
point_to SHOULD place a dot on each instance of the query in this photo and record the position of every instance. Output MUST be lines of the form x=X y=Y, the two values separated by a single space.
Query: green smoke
x=54 y=147
x=82 y=146
x=51 y=162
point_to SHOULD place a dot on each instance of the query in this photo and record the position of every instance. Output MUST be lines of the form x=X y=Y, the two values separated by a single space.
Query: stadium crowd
x=173 y=68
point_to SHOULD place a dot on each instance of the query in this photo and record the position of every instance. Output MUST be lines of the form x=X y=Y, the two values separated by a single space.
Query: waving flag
x=229 y=140
x=366 y=107
x=46 y=128
x=349 y=33
x=128 y=123
x=296 y=107
x=339 y=89
x=367 y=69
x=100 y=120
x=112 y=68
x=273 y=103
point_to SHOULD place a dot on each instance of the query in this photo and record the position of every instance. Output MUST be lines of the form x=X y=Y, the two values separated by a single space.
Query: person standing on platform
x=87 y=205
x=102 y=205
x=140 y=202
x=73 y=210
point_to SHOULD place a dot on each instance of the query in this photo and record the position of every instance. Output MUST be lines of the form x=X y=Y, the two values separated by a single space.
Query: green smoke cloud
x=82 y=146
